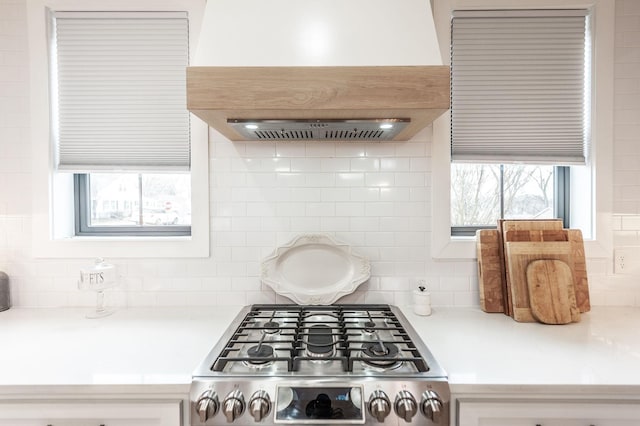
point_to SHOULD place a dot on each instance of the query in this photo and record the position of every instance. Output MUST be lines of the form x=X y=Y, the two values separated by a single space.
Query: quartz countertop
x=160 y=348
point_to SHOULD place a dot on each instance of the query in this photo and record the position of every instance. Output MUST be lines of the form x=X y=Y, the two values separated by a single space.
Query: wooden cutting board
x=537 y=235
x=580 y=282
x=551 y=295
x=490 y=270
x=504 y=227
x=518 y=257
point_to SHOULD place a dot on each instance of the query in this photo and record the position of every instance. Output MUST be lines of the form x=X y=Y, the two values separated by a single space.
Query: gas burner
x=387 y=351
x=369 y=326
x=319 y=341
x=257 y=355
x=271 y=327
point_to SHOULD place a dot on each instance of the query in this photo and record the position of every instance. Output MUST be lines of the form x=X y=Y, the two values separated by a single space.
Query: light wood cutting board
x=490 y=270
x=504 y=227
x=551 y=294
x=518 y=257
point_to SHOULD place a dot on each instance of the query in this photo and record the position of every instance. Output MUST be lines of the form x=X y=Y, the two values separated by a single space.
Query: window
x=132 y=204
x=483 y=193
x=591 y=196
x=520 y=105
x=120 y=92
x=57 y=174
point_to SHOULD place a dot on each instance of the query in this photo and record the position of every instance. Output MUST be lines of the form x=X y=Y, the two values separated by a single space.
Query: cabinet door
x=90 y=413
x=550 y=422
x=547 y=413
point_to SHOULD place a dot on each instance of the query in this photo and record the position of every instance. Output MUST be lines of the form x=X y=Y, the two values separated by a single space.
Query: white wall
x=376 y=197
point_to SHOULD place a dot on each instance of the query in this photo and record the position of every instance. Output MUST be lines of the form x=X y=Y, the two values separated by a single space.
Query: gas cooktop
x=323 y=365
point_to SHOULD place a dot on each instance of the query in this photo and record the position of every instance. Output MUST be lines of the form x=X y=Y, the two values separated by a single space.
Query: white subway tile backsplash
x=245 y=284
x=375 y=197
x=364 y=224
x=349 y=179
x=395 y=164
x=315 y=149
x=364 y=164
x=264 y=296
x=379 y=239
x=260 y=149
x=305 y=165
x=320 y=209
x=395 y=194
x=395 y=284
x=333 y=194
x=379 y=209
x=382 y=149
x=290 y=149
x=265 y=240
x=364 y=194
x=333 y=165
x=382 y=180
x=350 y=150
x=349 y=209
x=334 y=224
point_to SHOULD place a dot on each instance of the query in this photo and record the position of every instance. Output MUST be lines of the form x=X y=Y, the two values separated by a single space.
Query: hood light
x=386 y=126
x=251 y=126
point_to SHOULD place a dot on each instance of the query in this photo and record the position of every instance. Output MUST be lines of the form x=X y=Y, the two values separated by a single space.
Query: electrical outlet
x=620 y=258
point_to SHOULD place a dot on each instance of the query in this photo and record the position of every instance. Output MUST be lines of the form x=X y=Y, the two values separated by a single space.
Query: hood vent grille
x=302 y=130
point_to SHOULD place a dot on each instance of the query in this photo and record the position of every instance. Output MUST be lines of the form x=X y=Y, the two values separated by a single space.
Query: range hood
x=318 y=69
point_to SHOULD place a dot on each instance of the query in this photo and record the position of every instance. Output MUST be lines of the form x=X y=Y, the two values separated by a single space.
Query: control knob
x=405 y=405
x=207 y=405
x=233 y=405
x=259 y=405
x=431 y=406
x=379 y=405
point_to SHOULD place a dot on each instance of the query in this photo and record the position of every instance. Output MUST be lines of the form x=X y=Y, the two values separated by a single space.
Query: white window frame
x=53 y=224
x=443 y=245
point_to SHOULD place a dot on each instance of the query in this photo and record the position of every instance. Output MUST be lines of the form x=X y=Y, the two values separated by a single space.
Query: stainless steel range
x=320 y=365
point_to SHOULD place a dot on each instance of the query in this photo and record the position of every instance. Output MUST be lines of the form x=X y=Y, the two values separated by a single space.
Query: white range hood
x=318 y=69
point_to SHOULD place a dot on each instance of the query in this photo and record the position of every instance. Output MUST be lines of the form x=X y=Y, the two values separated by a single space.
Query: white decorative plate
x=314 y=269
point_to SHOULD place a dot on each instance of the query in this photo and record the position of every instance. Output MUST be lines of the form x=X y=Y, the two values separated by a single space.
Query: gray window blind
x=520 y=86
x=121 y=91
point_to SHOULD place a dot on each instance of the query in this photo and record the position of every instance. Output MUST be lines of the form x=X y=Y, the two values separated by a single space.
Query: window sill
x=127 y=247
x=195 y=246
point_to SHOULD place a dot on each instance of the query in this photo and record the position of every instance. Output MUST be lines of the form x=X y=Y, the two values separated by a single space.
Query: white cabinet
x=90 y=413
x=479 y=412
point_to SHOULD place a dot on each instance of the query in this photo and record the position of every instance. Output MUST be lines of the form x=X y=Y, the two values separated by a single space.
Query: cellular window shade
x=520 y=86
x=121 y=91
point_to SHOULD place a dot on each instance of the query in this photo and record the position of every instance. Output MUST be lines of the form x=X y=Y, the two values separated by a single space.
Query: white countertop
x=161 y=348
x=492 y=351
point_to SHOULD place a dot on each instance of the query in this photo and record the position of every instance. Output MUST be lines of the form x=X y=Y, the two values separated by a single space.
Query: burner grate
x=300 y=334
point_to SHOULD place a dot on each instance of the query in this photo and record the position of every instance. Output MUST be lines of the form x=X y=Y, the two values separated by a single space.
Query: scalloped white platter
x=314 y=269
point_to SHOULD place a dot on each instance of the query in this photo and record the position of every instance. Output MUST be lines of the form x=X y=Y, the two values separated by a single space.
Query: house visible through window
x=520 y=113
x=120 y=121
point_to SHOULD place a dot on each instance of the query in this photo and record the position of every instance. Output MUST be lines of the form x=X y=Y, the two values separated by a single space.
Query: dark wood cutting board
x=490 y=270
